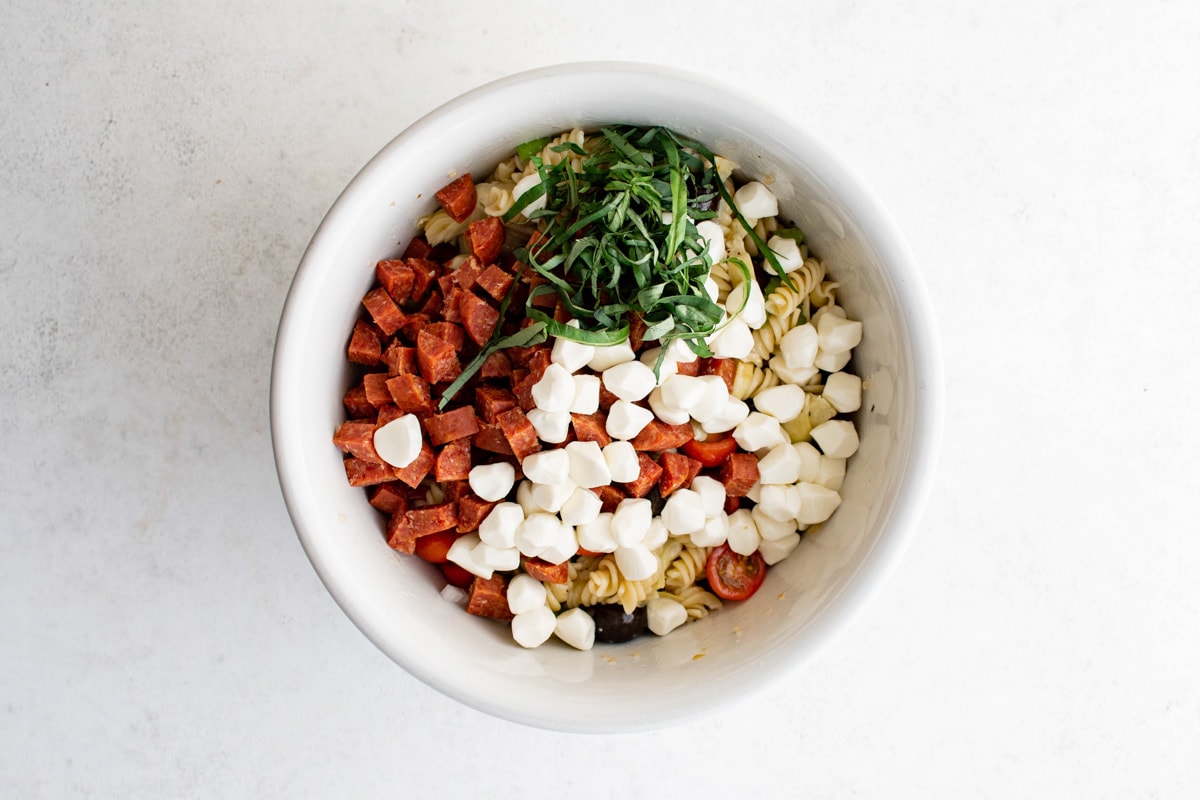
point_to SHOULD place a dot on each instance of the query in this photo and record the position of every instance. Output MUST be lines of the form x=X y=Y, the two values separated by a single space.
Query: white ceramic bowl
x=649 y=682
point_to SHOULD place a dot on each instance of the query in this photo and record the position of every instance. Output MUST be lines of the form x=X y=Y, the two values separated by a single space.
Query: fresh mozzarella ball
x=781 y=465
x=551 y=426
x=597 y=535
x=836 y=438
x=831 y=473
x=625 y=420
x=664 y=615
x=587 y=465
x=683 y=512
x=714 y=532
x=714 y=400
x=499 y=527
x=569 y=354
x=787 y=252
x=837 y=334
x=758 y=431
x=682 y=392
x=631 y=521
x=611 y=355
x=564 y=546
x=636 y=563
x=622 y=460
x=630 y=381
x=669 y=415
x=714 y=238
x=769 y=529
x=555 y=390
x=552 y=496
x=816 y=503
x=799 y=376
x=810 y=461
x=712 y=290
x=462 y=552
x=755 y=200
x=753 y=494
x=525 y=593
x=731 y=416
x=679 y=350
x=665 y=370
x=587 y=394
x=733 y=341
x=399 y=442
x=775 y=551
x=534 y=627
x=452 y=594
x=754 y=312
x=501 y=559
x=783 y=402
x=827 y=310
x=711 y=493
x=492 y=482
x=577 y=628
x=536 y=533
x=743 y=537
x=780 y=503
x=583 y=506
x=698 y=432
x=523 y=186
x=657 y=535
x=547 y=466
x=843 y=391
x=525 y=498
x=799 y=346
x=831 y=362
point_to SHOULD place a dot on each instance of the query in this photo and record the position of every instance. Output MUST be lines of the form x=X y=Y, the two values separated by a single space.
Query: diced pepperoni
x=646 y=479
x=388 y=497
x=485 y=238
x=433 y=305
x=562 y=313
x=397 y=278
x=739 y=474
x=472 y=510
x=446 y=282
x=610 y=496
x=496 y=365
x=458 y=197
x=658 y=436
x=478 y=316
x=637 y=330
x=357 y=439
x=415 y=472
x=411 y=393
x=400 y=360
x=492 y=439
x=383 y=310
x=607 y=398
x=364 y=347
x=388 y=413
x=522 y=383
x=417 y=248
x=400 y=535
x=691 y=368
x=520 y=433
x=375 y=384
x=489 y=598
x=453 y=461
x=541 y=570
x=732 y=503
x=492 y=401
x=455 y=489
x=432 y=519
x=424 y=274
x=467 y=273
x=367 y=473
x=437 y=358
x=590 y=428
x=413 y=325
x=459 y=423
x=538 y=363
x=694 y=468
x=725 y=368
x=356 y=403
x=675 y=470
x=519 y=356
x=450 y=305
x=495 y=282
x=448 y=332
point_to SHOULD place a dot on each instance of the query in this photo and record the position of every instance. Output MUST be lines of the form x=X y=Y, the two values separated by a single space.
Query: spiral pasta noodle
x=686 y=567
x=697 y=600
x=750 y=379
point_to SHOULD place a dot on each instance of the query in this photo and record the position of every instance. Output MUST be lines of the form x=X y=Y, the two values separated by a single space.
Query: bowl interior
x=648 y=682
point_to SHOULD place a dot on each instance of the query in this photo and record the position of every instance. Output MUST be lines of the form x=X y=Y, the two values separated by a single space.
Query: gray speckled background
x=162 y=170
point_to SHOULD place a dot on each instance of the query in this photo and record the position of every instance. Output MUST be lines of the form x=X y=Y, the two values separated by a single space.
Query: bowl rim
x=924 y=446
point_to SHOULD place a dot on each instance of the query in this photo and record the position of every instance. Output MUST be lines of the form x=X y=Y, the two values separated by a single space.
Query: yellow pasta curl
x=686 y=568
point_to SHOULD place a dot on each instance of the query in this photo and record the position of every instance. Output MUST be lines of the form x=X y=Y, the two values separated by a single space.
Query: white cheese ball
x=525 y=593
x=755 y=200
x=631 y=521
x=555 y=390
x=492 y=482
x=777 y=550
x=630 y=381
x=399 y=442
x=587 y=394
x=683 y=512
x=610 y=355
x=499 y=527
x=550 y=426
x=836 y=438
x=570 y=354
x=743 y=537
x=664 y=615
x=626 y=421
x=843 y=390
x=577 y=628
x=587 y=465
x=783 y=402
x=534 y=627
x=622 y=460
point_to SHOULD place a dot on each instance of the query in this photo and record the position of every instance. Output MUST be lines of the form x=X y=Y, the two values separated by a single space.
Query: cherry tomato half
x=456 y=575
x=433 y=548
x=712 y=451
x=732 y=576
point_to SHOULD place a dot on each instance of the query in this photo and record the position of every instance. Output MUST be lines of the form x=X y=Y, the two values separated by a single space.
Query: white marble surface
x=163 y=168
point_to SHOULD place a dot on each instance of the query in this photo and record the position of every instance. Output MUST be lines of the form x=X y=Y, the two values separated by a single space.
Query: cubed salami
x=492 y=401
x=375 y=385
x=522 y=383
x=411 y=393
x=399 y=533
x=646 y=479
x=417 y=248
x=451 y=303
x=520 y=433
x=412 y=326
x=495 y=281
x=366 y=473
x=364 y=347
x=448 y=332
x=458 y=197
x=383 y=310
x=437 y=358
x=356 y=403
x=458 y=423
x=488 y=597
x=492 y=439
x=472 y=510
x=607 y=398
x=399 y=360
x=590 y=428
x=637 y=330
x=415 y=472
x=541 y=570
x=538 y=362
x=396 y=277
x=425 y=273
x=357 y=439
x=453 y=461
x=388 y=497
x=388 y=413
x=658 y=436
x=496 y=365
x=467 y=273
x=739 y=474
x=610 y=497
x=725 y=368
x=690 y=368
x=485 y=237
x=433 y=305
x=478 y=316
x=676 y=468
x=432 y=519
